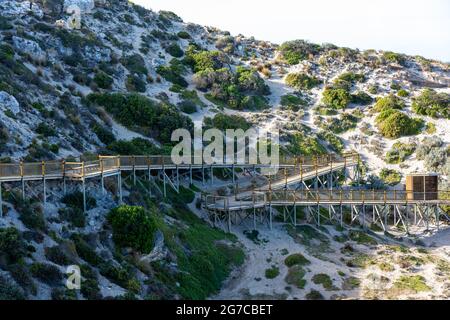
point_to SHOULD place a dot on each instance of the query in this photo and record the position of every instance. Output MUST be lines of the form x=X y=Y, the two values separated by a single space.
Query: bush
x=137 y=146
x=351 y=77
x=132 y=227
x=305 y=145
x=389 y=102
x=55 y=255
x=134 y=83
x=174 y=50
x=32 y=216
x=324 y=280
x=187 y=106
x=183 y=35
x=224 y=121
x=173 y=73
x=47 y=273
x=399 y=152
x=85 y=251
x=135 y=64
x=103 y=134
x=394 y=124
x=433 y=104
x=12 y=246
x=296 y=259
x=201 y=61
x=293 y=102
x=336 y=98
x=394 y=57
x=295 y=276
x=272 y=273
x=302 y=81
x=335 y=142
x=402 y=93
x=136 y=111
x=45 y=130
x=390 y=177
x=103 y=80
x=345 y=122
x=295 y=51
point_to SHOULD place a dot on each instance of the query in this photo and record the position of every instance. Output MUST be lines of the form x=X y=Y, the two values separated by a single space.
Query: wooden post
x=23 y=181
x=44 y=184
x=102 y=177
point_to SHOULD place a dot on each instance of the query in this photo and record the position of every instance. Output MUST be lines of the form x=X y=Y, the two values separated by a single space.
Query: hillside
x=130 y=76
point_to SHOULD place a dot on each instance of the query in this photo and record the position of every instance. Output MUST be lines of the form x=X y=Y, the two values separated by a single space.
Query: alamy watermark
x=232 y=146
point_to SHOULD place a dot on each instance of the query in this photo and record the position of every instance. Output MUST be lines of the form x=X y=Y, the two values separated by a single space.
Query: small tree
x=132 y=227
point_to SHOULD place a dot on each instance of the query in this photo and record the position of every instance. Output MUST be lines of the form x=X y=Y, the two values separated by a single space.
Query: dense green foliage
x=12 y=246
x=174 y=50
x=201 y=61
x=174 y=73
x=295 y=51
x=296 y=259
x=334 y=142
x=394 y=57
x=293 y=102
x=135 y=83
x=305 y=145
x=103 y=80
x=394 y=124
x=399 y=152
x=302 y=81
x=336 y=98
x=343 y=123
x=390 y=177
x=133 y=227
x=223 y=122
x=138 y=112
x=135 y=64
x=389 y=102
x=433 y=104
x=137 y=146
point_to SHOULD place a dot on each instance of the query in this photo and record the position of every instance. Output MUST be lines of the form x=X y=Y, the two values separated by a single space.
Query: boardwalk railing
x=59 y=169
x=311 y=197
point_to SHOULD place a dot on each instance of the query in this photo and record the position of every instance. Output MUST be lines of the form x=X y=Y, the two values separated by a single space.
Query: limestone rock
x=29 y=47
x=12 y=9
x=8 y=102
x=85 y=6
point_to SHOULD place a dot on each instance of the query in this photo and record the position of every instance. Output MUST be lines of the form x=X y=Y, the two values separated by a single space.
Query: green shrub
x=412 y=283
x=139 y=112
x=187 y=106
x=399 y=152
x=135 y=64
x=132 y=227
x=402 y=93
x=390 y=177
x=293 y=102
x=335 y=142
x=201 y=61
x=336 y=98
x=89 y=285
x=351 y=77
x=295 y=51
x=12 y=246
x=134 y=83
x=55 y=255
x=272 y=273
x=295 y=276
x=302 y=81
x=223 y=122
x=305 y=145
x=394 y=124
x=314 y=295
x=389 y=102
x=394 y=57
x=137 y=146
x=173 y=73
x=183 y=35
x=85 y=251
x=174 y=50
x=296 y=259
x=345 y=122
x=433 y=104
x=324 y=280
x=103 y=80
x=373 y=89
x=46 y=272
x=45 y=130
x=103 y=134
x=32 y=216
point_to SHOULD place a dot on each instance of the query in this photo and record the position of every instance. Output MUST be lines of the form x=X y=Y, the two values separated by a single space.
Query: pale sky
x=406 y=26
